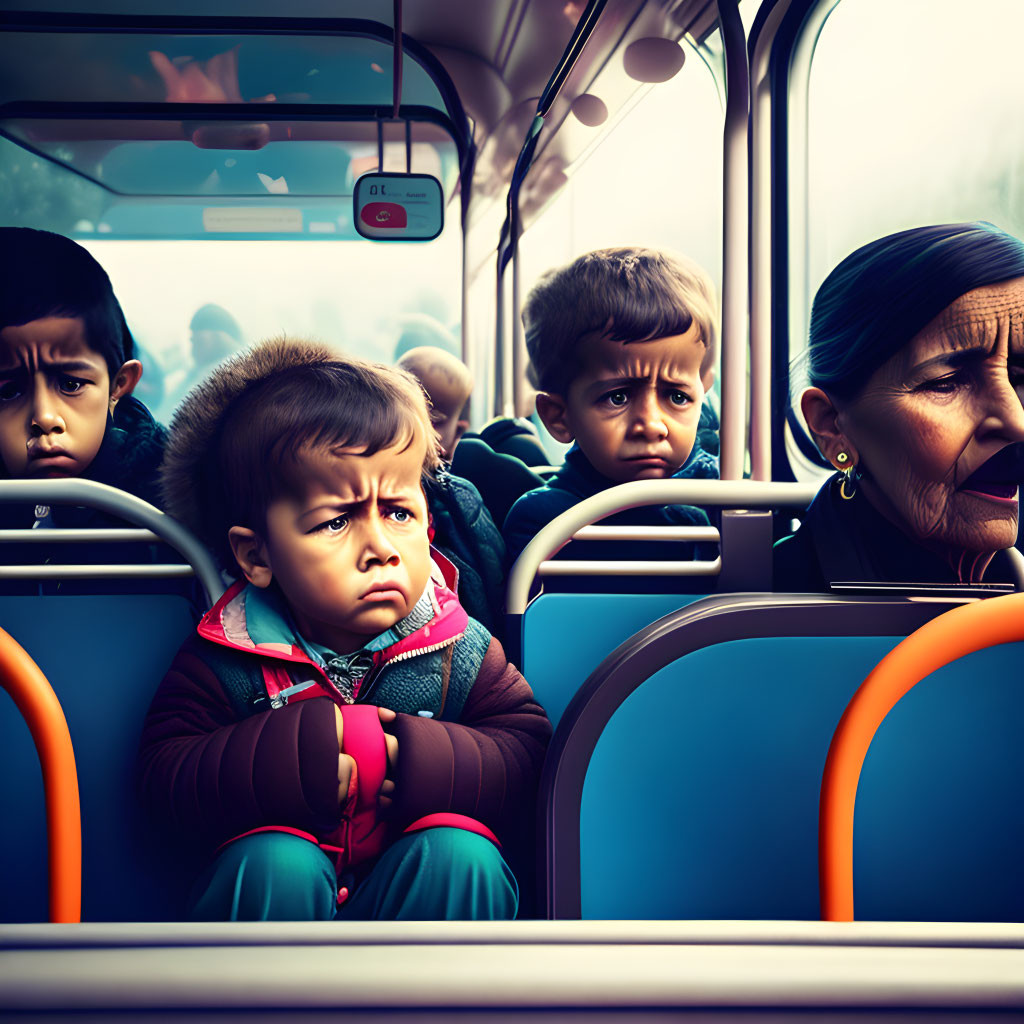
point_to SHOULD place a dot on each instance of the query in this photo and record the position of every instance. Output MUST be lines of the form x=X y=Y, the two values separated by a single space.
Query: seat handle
x=31 y=692
x=952 y=635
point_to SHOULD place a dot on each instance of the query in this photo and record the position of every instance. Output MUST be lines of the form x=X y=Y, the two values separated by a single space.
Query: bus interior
x=207 y=154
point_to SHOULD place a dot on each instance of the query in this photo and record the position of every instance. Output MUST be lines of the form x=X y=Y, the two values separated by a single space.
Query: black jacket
x=843 y=541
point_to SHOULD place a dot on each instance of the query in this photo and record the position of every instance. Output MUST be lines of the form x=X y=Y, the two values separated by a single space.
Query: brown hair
x=628 y=294
x=238 y=439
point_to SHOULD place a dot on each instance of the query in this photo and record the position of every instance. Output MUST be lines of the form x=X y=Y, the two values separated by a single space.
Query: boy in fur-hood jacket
x=340 y=736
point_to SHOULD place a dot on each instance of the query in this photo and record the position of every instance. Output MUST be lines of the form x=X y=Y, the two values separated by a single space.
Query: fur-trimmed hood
x=198 y=419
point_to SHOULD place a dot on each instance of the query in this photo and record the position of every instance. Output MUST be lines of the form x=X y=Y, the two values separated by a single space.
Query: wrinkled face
x=350 y=553
x=54 y=398
x=930 y=418
x=633 y=408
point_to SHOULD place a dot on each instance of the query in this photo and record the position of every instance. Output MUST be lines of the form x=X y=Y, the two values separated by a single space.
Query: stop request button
x=384 y=215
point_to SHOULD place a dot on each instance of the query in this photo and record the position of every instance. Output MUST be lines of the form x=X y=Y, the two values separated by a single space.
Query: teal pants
x=440 y=874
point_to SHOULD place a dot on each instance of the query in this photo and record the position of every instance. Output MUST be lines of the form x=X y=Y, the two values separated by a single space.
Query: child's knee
x=473 y=881
x=269 y=876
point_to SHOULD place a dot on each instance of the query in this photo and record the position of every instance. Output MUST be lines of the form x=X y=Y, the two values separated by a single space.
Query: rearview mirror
x=398 y=207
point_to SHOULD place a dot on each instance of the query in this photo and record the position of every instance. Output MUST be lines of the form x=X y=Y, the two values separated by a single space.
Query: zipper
x=280 y=699
x=373 y=676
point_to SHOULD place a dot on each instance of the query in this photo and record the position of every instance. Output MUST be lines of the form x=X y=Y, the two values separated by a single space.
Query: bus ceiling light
x=590 y=110
x=653 y=59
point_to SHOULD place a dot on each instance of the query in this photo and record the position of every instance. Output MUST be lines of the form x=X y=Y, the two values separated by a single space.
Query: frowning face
x=632 y=408
x=350 y=550
x=55 y=395
x=930 y=419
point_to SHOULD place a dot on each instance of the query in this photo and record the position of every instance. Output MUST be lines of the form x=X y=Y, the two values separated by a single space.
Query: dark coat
x=851 y=542
x=465 y=533
x=577 y=480
x=209 y=771
x=518 y=438
x=501 y=479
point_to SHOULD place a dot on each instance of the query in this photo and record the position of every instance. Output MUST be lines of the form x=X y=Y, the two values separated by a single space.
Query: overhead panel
x=131 y=134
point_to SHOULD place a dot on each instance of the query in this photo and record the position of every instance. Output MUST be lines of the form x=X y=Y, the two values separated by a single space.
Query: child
x=66 y=378
x=621 y=346
x=448 y=384
x=463 y=529
x=338 y=734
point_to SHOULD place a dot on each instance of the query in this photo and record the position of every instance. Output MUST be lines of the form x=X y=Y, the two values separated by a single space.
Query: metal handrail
x=550 y=539
x=72 y=535
x=761 y=212
x=735 y=271
x=125 y=506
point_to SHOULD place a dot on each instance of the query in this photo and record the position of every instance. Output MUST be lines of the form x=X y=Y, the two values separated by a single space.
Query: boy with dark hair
x=67 y=372
x=339 y=733
x=622 y=350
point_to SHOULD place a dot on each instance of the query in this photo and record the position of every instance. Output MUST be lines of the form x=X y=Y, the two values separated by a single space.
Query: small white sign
x=252 y=218
x=398 y=207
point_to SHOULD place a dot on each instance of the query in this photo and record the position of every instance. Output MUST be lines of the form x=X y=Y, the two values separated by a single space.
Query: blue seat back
x=700 y=789
x=566 y=636
x=104 y=655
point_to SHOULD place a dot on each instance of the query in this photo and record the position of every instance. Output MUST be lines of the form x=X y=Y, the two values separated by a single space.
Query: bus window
x=925 y=132
x=358 y=296
x=653 y=180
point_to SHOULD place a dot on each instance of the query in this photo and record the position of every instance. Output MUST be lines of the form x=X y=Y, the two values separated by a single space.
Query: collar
x=257 y=620
x=579 y=477
x=854 y=542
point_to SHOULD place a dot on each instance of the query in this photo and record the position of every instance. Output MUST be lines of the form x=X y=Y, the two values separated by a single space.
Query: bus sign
x=398 y=207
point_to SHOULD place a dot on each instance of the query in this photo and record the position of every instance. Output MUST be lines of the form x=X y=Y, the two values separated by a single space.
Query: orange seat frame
x=21 y=677
x=956 y=633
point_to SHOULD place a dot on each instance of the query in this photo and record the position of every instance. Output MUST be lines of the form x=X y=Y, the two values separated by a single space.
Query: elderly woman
x=917 y=376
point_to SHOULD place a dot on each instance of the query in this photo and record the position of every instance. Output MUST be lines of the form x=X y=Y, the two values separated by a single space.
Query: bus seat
x=956 y=634
x=500 y=479
x=566 y=636
x=683 y=777
x=35 y=700
x=560 y=638
x=104 y=656
x=104 y=653
x=517 y=437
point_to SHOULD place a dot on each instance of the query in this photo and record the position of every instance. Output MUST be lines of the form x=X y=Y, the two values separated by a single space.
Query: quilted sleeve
x=209 y=776
x=486 y=765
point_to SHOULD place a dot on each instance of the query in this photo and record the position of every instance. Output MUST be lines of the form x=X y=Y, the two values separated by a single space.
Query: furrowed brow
x=956 y=357
x=71 y=366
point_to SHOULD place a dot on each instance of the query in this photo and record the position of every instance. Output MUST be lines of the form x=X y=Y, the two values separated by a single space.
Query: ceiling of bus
x=499 y=54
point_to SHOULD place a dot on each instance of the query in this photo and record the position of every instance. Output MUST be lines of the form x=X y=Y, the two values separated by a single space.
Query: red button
x=383 y=215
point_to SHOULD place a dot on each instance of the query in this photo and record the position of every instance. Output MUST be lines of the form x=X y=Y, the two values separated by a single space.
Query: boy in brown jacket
x=339 y=734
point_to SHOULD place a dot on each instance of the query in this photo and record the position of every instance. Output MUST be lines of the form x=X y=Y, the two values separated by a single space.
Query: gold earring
x=849 y=479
